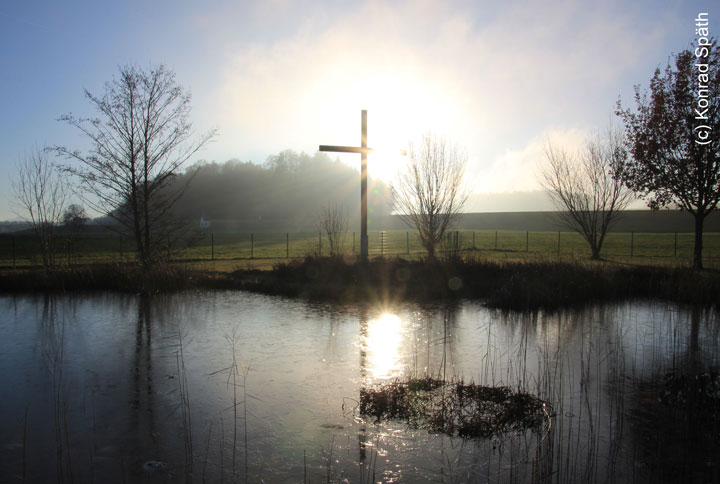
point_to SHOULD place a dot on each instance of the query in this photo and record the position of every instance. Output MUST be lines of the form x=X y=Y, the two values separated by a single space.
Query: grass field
x=229 y=251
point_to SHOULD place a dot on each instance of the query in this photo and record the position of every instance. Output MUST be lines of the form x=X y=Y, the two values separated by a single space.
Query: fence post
x=675 y=249
x=320 y=243
x=558 y=248
x=212 y=246
x=287 y=245
x=407 y=242
x=632 y=244
x=496 y=240
x=252 y=246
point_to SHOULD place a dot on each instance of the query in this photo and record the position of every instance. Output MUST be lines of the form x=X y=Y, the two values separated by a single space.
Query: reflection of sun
x=382 y=344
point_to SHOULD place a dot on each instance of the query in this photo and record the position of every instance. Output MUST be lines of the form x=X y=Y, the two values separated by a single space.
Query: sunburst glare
x=382 y=344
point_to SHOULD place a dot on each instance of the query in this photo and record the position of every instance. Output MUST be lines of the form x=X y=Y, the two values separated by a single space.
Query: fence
x=23 y=250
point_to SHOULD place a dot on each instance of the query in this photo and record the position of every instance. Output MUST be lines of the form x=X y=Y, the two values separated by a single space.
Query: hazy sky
x=497 y=78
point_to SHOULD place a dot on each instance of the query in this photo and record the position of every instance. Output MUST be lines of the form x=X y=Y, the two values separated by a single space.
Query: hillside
x=631 y=221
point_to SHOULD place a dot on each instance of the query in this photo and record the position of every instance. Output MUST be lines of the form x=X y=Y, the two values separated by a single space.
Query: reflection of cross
x=363 y=150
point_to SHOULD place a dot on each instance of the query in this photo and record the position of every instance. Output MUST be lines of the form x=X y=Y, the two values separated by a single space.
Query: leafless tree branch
x=333 y=221
x=428 y=194
x=140 y=141
x=40 y=193
x=587 y=188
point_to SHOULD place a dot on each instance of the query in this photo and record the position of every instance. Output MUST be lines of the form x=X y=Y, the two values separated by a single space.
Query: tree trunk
x=146 y=215
x=430 y=247
x=137 y=230
x=697 y=252
x=592 y=242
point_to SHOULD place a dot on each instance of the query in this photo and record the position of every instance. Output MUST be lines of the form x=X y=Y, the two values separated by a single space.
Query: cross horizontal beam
x=345 y=149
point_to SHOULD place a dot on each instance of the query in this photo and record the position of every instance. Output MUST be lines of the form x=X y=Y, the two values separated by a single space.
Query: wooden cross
x=363 y=150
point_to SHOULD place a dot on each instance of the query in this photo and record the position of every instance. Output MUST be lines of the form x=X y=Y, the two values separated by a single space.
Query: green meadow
x=261 y=250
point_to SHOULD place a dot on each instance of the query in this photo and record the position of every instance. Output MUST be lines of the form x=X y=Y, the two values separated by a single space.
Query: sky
x=498 y=79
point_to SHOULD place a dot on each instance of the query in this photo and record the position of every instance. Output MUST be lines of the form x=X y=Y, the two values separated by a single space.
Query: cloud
x=518 y=169
x=279 y=74
x=492 y=84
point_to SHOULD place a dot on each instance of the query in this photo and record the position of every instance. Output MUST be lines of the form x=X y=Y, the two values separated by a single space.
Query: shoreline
x=502 y=285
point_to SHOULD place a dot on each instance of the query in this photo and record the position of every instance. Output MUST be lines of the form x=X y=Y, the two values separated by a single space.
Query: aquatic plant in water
x=454 y=407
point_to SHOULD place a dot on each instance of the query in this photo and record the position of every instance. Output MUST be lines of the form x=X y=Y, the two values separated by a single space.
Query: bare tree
x=587 y=188
x=40 y=194
x=428 y=193
x=139 y=142
x=74 y=218
x=334 y=222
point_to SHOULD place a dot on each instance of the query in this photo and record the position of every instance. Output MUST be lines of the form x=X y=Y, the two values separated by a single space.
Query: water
x=238 y=387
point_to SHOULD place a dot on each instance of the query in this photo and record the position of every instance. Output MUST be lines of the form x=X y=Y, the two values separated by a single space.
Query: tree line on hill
x=289 y=190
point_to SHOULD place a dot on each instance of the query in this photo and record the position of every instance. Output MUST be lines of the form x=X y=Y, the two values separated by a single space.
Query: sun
x=400 y=107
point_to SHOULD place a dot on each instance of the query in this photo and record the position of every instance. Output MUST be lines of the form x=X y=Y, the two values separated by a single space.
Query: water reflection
x=142 y=399
x=381 y=342
x=96 y=382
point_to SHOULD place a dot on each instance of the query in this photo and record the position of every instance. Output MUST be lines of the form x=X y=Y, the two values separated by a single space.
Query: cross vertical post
x=364 y=246
x=363 y=150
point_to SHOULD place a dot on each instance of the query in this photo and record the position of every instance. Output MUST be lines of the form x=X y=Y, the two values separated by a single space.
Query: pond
x=239 y=387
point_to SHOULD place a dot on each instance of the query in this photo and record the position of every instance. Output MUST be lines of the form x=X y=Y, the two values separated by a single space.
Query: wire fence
x=24 y=250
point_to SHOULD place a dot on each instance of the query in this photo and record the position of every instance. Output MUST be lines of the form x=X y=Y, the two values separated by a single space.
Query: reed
x=185 y=407
x=55 y=352
x=207 y=453
x=237 y=378
x=24 y=445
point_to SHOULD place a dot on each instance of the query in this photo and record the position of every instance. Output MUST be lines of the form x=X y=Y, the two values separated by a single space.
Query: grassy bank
x=507 y=285
x=111 y=277
x=510 y=285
